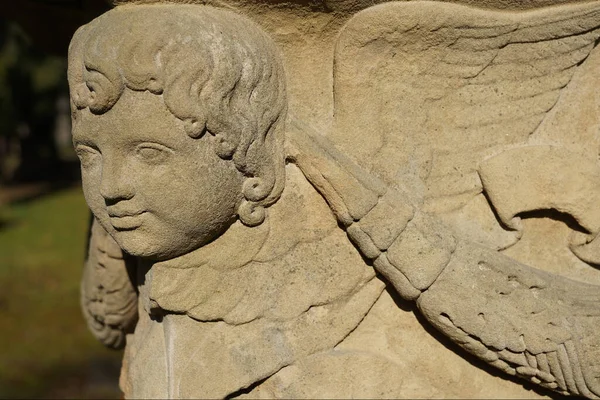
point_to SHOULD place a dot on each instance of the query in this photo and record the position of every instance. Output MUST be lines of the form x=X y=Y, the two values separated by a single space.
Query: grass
x=46 y=348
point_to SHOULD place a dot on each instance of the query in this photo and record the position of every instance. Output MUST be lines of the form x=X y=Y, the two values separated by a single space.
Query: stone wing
x=526 y=322
x=108 y=296
x=427 y=88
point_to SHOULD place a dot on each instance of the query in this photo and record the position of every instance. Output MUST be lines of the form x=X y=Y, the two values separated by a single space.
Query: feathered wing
x=108 y=296
x=521 y=320
x=524 y=321
x=441 y=86
x=423 y=92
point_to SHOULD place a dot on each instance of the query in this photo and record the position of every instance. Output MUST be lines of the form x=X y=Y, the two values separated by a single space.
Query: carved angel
x=247 y=280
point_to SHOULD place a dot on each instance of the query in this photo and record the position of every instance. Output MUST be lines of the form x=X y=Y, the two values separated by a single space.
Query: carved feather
x=108 y=297
x=475 y=80
x=523 y=321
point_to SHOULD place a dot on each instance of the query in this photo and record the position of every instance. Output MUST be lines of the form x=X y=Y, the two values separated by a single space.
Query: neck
x=232 y=250
x=188 y=281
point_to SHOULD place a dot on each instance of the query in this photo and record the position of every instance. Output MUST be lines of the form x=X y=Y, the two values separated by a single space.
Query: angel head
x=178 y=115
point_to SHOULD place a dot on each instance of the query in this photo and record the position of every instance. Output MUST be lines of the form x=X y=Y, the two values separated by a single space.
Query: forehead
x=136 y=114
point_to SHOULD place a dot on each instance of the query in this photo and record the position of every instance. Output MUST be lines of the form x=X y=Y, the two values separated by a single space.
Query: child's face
x=157 y=191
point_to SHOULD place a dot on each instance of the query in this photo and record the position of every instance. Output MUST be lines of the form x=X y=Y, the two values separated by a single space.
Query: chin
x=139 y=244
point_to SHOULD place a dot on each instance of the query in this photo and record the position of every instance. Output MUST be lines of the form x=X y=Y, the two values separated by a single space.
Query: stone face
x=342 y=199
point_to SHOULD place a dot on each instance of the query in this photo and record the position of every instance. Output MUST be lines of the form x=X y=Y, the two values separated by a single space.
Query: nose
x=117 y=182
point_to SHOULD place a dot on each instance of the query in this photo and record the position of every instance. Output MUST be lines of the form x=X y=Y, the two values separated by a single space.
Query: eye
x=153 y=153
x=87 y=155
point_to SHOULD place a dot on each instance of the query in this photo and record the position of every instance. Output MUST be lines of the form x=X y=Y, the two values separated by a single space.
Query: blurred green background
x=47 y=351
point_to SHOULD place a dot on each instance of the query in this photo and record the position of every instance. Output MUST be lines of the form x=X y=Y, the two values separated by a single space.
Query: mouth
x=126 y=221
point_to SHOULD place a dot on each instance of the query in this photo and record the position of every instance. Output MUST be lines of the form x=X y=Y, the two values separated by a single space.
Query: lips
x=125 y=220
x=123 y=214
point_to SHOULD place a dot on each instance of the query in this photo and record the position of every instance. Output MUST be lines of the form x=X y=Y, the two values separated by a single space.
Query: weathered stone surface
x=342 y=199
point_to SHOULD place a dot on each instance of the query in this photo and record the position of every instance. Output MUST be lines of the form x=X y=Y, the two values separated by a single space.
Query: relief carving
x=241 y=248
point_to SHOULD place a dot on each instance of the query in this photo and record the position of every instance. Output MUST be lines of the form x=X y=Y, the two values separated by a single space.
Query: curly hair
x=217 y=72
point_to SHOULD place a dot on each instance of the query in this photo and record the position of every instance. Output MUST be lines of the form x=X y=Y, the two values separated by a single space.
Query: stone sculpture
x=219 y=248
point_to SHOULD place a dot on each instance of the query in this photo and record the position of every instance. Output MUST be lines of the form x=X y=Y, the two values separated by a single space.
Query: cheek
x=90 y=182
x=205 y=198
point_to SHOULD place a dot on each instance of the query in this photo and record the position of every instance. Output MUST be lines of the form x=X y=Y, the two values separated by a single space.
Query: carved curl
x=217 y=71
